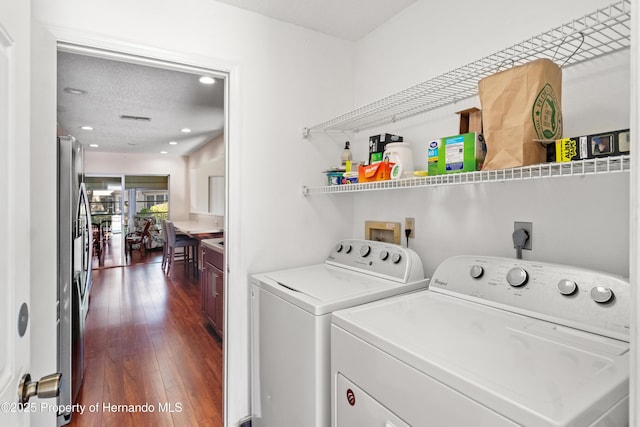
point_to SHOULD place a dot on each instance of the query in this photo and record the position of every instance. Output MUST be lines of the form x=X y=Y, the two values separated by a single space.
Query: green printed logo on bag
x=546 y=114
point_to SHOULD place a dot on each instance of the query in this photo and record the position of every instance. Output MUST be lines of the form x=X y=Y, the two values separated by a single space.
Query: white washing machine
x=291 y=320
x=492 y=342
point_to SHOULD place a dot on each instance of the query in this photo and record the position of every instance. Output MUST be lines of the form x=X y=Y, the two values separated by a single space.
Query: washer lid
x=531 y=371
x=321 y=289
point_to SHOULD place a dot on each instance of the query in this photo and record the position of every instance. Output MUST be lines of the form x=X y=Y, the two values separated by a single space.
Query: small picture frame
x=602 y=145
x=624 y=142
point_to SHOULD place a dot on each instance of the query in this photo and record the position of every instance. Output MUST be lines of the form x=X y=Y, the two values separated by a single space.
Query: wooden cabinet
x=212 y=289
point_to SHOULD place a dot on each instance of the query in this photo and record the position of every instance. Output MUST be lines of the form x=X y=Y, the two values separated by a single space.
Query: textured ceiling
x=172 y=100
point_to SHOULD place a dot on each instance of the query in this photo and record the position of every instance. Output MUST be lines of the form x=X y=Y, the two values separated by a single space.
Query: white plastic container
x=400 y=153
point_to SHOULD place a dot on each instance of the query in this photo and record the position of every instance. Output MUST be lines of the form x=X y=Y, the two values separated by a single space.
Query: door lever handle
x=47 y=387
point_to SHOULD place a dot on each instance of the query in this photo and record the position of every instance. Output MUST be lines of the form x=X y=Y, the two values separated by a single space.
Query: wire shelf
x=543 y=170
x=599 y=33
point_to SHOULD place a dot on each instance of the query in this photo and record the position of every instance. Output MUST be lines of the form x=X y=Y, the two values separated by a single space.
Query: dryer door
x=354 y=407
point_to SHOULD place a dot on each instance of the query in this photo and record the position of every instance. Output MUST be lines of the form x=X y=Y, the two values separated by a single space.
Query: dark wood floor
x=146 y=343
x=111 y=254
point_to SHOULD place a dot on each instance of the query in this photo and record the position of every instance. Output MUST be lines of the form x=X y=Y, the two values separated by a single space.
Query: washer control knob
x=601 y=294
x=476 y=271
x=347 y=249
x=567 y=287
x=396 y=258
x=384 y=255
x=339 y=247
x=365 y=250
x=517 y=277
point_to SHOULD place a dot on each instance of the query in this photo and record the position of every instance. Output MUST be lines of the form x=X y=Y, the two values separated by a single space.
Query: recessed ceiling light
x=94 y=145
x=86 y=128
x=163 y=152
x=185 y=130
x=74 y=91
x=206 y=80
x=173 y=143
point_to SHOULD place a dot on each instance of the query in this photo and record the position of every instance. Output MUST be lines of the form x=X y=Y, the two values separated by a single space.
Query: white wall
x=211 y=150
x=571 y=223
x=430 y=38
x=146 y=164
x=177 y=167
x=581 y=221
x=283 y=78
x=206 y=161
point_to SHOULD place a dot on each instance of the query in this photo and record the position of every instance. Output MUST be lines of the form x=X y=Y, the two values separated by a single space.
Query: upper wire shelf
x=542 y=170
x=599 y=33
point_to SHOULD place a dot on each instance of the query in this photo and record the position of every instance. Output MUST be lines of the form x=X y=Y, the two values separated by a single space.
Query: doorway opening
x=124 y=202
x=121 y=205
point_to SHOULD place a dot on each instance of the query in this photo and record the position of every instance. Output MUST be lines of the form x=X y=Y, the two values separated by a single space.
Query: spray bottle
x=346 y=157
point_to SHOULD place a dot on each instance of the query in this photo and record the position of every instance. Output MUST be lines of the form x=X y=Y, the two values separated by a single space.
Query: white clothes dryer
x=492 y=342
x=290 y=326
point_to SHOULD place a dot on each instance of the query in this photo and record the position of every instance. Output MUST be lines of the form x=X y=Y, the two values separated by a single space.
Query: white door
x=14 y=207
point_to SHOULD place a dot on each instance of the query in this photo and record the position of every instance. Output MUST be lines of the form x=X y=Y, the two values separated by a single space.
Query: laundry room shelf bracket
x=604 y=31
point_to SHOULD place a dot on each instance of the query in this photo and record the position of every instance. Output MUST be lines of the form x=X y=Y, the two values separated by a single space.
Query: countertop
x=192 y=227
x=215 y=244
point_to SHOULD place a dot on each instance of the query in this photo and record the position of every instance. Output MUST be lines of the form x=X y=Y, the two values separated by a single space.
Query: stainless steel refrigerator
x=74 y=270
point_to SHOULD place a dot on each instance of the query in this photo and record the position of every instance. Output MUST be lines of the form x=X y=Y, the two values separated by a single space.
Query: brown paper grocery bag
x=521 y=106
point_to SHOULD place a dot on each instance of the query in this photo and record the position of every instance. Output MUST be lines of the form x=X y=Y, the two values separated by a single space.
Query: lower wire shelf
x=601 y=165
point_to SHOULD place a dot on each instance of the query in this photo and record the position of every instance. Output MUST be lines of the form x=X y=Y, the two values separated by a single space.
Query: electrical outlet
x=528 y=227
x=410 y=224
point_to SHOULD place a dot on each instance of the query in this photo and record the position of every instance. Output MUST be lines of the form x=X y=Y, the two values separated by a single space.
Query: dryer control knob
x=339 y=247
x=384 y=255
x=567 y=287
x=476 y=271
x=517 y=277
x=601 y=294
x=396 y=258
x=347 y=249
x=365 y=250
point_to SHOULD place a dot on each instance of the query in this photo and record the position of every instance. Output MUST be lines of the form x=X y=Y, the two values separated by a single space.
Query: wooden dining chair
x=136 y=238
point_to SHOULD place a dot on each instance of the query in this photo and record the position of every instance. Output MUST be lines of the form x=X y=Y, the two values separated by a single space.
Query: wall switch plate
x=528 y=227
x=410 y=224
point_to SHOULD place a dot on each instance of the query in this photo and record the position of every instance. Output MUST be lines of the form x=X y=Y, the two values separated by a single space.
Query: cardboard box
x=470 y=120
x=565 y=150
x=432 y=157
x=376 y=157
x=603 y=144
x=461 y=153
x=378 y=143
x=380 y=171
